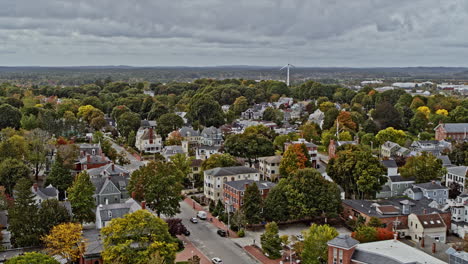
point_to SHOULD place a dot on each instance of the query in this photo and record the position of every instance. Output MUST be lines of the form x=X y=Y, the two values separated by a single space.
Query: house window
x=109 y=214
x=335 y=255
x=341 y=256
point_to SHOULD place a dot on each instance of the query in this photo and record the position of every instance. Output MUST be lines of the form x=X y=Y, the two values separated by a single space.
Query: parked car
x=300 y=237
x=194 y=220
x=202 y=215
x=216 y=261
x=221 y=232
x=187 y=233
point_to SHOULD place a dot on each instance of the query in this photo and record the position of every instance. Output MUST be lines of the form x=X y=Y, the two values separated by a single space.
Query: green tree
x=206 y=110
x=80 y=195
x=15 y=147
x=315 y=243
x=330 y=117
x=128 y=122
x=365 y=234
x=419 y=122
x=240 y=105
x=249 y=145
x=252 y=207
x=22 y=217
x=386 y=115
x=32 y=258
x=274 y=115
x=52 y=213
x=276 y=206
x=425 y=168
x=38 y=147
x=281 y=139
x=310 y=195
x=270 y=240
x=119 y=110
x=391 y=134
x=12 y=170
x=459 y=154
x=457 y=115
x=10 y=116
x=375 y=222
x=219 y=160
x=60 y=177
x=310 y=132
x=136 y=238
x=357 y=171
x=160 y=184
x=168 y=123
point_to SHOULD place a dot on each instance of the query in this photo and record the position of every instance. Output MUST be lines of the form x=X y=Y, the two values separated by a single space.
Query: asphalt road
x=134 y=163
x=204 y=237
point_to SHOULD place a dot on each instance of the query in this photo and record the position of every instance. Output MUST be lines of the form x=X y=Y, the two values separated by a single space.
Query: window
x=109 y=214
x=341 y=256
x=335 y=255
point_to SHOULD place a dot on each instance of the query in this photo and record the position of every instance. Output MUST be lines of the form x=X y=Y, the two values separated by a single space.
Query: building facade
x=214 y=179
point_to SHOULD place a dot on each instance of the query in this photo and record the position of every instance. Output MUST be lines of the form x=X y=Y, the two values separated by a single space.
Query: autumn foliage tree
x=64 y=240
x=295 y=157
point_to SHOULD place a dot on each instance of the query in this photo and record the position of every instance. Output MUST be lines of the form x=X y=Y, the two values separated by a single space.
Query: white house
x=148 y=141
x=456 y=174
x=42 y=194
x=269 y=167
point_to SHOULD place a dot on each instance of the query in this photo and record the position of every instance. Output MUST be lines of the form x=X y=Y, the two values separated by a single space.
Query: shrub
x=241 y=232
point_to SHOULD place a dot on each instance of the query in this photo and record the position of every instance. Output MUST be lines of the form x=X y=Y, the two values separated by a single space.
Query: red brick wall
x=440 y=133
x=347 y=255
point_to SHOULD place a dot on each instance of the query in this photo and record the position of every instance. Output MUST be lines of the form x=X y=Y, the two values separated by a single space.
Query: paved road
x=134 y=163
x=204 y=237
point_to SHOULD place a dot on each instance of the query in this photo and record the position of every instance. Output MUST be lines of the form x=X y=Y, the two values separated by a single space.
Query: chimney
x=424 y=211
x=88 y=158
x=35 y=187
x=433 y=182
x=151 y=135
x=143 y=205
x=245 y=186
x=82 y=153
x=422 y=242
x=133 y=195
x=113 y=167
x=433 y=248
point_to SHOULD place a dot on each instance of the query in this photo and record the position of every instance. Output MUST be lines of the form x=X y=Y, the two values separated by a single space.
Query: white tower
x=287 y=66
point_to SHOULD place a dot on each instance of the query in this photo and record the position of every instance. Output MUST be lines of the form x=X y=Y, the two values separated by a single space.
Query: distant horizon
x=223 y=66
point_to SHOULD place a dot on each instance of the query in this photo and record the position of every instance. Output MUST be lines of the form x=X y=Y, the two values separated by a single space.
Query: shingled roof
x=343 y=241
x=226 y=171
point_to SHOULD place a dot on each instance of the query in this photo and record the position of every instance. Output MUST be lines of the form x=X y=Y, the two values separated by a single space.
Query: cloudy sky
x=352 y=33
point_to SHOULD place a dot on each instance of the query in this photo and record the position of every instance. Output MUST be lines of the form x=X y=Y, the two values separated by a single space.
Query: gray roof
x=188 y=131
x=272 y=159
x=399 y=178
x=372 y=258
x=118 y=210
x=118 y=181
x=430 y=186
x=108 y=170
x=93 y=243
x=94 y=159
x=172 y=150
x=226 y=171
x=343 y=241
x=458 y=170
x=456 y=127
x=147 y=123
x=49 y=191
x=416 y=190
x=240 y=185
x=368 y=207
x=445 y=160
x=389 y=163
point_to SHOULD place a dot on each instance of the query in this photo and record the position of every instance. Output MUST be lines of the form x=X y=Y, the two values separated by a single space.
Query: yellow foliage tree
x=442 y=112
x=425 y=110
x=64 y=240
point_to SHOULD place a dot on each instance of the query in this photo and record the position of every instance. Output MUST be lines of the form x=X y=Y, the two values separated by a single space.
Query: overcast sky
x=352 y=33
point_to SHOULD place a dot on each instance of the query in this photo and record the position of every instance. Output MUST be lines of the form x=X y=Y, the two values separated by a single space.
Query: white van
x=201 y=215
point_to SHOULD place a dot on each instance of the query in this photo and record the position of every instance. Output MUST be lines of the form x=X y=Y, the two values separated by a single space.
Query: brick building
x=234 y=191
x=455 y=131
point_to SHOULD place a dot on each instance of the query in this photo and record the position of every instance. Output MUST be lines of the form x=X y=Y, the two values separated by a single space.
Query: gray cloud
x=221 y=32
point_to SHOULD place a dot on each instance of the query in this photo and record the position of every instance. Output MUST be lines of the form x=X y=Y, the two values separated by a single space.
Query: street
x=134 y=163
x=204 y=237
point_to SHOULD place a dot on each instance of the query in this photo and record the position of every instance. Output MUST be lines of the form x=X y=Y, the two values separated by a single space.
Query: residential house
x=269 y=167
x=296 y=111
x=148 y=141
x=233 y=192
x=344 y=249
x=215 y=178
x=456 y=174
x=392 y=212
x=252 y=114
x=110 y=190
x=169 y=151
x=389 y=149
x=457 y=257
x=334 y=145
x=454 y=131
x=147 y=124
x=431 y=225
x=203 y=152
x=41 y=194
x=396 y=185
x=286 y=101
x=149 y=92
x=110 y=169
x=212 y=136
x=106 y=212
x=311 y=148
x=191 y=135
x=91 y=156
x=195 y=169
x=317 y=117
x=430 y=190
x=392 y=167
x=459 y=209
x=434 y=147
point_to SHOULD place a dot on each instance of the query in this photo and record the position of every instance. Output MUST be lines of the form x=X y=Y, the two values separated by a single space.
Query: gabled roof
x=430 y=186
x=455 y=127
x=116 y=180
x=240 y=185
x=343 y=241
x=226 y=171
x=110 y=169
x=399 y=178
x=188 y=132
x=271 y=159
x=147 y=133
x=458 y=170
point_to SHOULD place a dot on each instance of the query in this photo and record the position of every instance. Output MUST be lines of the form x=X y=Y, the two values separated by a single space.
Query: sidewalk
x=256 y=253
x=189 y=251
x=215 y=222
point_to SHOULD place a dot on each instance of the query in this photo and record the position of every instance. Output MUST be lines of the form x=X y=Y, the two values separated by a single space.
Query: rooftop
x=430 y=186
x=458 y=170
x=431 y=220
x=240 y=185
x=343 y=241
x=389 y=163
x=226 y=171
